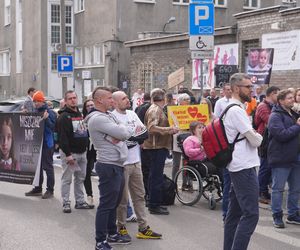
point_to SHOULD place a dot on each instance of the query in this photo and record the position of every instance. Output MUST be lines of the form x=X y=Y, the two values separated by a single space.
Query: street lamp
x=171 y=20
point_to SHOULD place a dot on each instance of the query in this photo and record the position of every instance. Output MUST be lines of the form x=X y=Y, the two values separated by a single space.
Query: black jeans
x=47 y=166
x=157 y=159
x=111 y=184
x=243 y=211
x=91 y=159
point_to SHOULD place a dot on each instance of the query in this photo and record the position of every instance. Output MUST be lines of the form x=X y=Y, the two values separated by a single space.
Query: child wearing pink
x=192 y=145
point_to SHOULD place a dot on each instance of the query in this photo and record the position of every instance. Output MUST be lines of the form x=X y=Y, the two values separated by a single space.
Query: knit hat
x=38 y=96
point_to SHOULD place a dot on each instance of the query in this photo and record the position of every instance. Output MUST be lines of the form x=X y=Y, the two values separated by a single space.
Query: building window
x=7 y=12
x=145 y=73
x=55 y=24
x=185 y=2
x=252 y=4
x=54 y=61
x=144 y=1
x=98 y=54
x=78 y=56
x=220 y=3
x=78 y=5
x=4 y=63
x=87 y=56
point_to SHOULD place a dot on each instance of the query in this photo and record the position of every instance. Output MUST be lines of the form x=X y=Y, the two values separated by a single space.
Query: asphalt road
x=29 y=223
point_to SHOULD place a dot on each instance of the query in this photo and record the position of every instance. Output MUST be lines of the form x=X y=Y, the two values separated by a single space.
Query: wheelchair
x=197 y=178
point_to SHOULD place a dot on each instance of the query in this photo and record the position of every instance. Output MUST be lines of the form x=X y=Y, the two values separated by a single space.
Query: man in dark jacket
x=48 y=147
x=283 y=158
x=261 y=119
x=73 y=141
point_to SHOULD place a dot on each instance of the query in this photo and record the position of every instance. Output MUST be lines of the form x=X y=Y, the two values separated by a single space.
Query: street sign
x=202 y=54
x=201 y=42
x=65 y=66
x=201 y=18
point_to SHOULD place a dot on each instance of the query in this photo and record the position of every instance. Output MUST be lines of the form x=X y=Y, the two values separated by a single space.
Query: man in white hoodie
x=132 y=170
x=108 y=136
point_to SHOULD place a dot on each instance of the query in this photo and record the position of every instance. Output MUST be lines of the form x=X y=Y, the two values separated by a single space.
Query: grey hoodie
x=103 y=129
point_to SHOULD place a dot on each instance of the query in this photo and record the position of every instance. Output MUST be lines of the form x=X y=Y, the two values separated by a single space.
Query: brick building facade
x=152 y=60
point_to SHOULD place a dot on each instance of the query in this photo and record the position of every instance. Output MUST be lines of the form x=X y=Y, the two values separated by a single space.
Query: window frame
x=181 y=3
x=145 y=1
x=5 y=66
x=145 y=75
x=78 y=50
x=250 y=7
x=216 y=4
x=100 y=48
x=79 y=6
x=7 y=12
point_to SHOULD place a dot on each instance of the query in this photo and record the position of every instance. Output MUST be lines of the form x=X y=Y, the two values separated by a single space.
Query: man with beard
x=243 y=211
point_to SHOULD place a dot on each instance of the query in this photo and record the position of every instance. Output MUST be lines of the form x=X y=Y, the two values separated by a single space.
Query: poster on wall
x=259 y=65
x=286 y=49
x=208 y=74
x=21 y=137
x=226 y=54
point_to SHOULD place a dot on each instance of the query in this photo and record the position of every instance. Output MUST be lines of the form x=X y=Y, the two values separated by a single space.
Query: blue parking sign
x=201 y=18
x=64 y=64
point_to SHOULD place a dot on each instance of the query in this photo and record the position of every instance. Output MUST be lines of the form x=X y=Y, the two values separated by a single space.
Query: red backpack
x=214 y=140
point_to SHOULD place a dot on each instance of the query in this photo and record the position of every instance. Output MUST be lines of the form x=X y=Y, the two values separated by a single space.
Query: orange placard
x=182 y=116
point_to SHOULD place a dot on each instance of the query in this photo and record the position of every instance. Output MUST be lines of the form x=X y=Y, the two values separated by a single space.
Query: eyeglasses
x=246 y=86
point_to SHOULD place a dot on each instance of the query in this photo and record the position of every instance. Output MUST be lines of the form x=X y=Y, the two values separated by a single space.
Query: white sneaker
x=132 y=218
x=90 y=200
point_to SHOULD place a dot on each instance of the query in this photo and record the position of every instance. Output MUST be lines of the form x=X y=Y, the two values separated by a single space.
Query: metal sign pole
x=201 y=78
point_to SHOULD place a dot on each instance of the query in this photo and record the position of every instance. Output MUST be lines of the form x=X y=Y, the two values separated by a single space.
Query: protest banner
x=259 y=65
x=223 y=73
x=21 y=137
x=182 y=116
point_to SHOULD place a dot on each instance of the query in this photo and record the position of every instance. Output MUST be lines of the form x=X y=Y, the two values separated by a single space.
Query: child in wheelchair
x=194 y=156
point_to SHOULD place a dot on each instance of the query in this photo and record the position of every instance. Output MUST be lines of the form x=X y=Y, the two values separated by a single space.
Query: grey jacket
x=104 y=129
x=28 y=105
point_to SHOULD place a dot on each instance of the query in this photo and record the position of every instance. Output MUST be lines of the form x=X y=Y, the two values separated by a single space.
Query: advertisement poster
x=182 y=116
x=259 y=65
x=226 y=54
x=286 y=49
x=21 y=137
x=208 y=74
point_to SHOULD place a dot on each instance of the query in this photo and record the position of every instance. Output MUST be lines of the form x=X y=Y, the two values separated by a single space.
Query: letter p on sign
x=201 y=13
x=65 y=63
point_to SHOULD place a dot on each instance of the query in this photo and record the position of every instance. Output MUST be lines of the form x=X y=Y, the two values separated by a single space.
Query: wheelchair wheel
x=188 y=185
x=212 y=189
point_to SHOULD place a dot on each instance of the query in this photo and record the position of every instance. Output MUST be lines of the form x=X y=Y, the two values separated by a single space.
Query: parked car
x=15 y=104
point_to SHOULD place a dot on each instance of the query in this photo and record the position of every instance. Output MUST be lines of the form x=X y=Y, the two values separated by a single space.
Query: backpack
x=168 y=191
x=263 y=148
x=214 y=140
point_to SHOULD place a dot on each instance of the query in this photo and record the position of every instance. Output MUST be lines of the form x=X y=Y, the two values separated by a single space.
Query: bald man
x=108 y=136
x=132 y=170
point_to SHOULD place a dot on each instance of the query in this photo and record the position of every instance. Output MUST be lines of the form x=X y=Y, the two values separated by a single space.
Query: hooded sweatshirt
x=72 y=133
x=108 y=136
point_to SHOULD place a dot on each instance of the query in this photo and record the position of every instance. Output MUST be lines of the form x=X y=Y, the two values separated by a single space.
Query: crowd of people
x=129 y=148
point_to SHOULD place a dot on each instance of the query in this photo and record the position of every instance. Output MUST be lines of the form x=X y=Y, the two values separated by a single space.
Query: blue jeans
x=129 y=210
x=264 y=176
x=226 y=188
x=280 y=176
x=111 y=184
x=157 y=159
x=243 y=211
x=47 y=166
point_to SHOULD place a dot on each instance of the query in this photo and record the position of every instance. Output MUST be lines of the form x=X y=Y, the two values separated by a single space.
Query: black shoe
x=47 y=195
x=67 y=208
x=158 y=210
x=83 y=205
x=34 y=192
